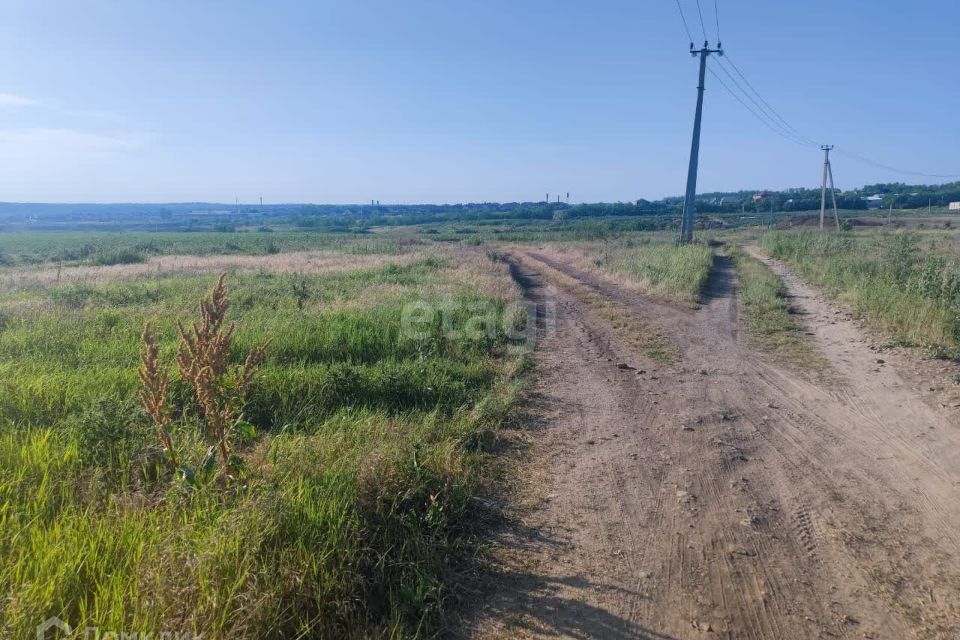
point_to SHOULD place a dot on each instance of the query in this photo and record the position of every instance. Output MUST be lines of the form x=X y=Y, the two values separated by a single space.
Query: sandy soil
x=723 y=496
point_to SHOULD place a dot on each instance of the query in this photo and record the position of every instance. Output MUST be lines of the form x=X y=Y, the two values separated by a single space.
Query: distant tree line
x=361 y=217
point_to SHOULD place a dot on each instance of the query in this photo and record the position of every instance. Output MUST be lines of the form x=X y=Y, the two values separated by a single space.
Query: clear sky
x=458 y=100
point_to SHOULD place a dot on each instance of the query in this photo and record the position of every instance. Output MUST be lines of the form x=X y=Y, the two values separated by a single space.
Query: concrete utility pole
x=686 y=223
x=828 y=171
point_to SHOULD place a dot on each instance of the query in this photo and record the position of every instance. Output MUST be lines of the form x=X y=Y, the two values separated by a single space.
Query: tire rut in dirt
x=676 y=502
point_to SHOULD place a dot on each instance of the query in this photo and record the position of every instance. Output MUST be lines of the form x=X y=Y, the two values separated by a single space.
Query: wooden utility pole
x=828 y=172
x=689 y=202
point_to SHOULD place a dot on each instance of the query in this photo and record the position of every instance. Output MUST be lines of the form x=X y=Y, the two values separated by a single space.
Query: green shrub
x=106 y=258
x=110 y=433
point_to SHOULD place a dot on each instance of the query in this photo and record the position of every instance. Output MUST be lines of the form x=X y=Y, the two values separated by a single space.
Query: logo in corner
x=53 y=623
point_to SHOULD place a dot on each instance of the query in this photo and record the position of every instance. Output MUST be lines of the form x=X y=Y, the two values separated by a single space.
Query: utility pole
x=686 y=223
x=828 y=172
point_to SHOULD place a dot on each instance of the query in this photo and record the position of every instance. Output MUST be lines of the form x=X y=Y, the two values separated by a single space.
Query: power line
x=686 y=27
x=879 y=165
x=758 y=111
x=797 y=136
x=773 y=121
x=716 y=14
x=778 y=129
x=763 y=111
x=772 y=111
x=702 y=26
x=766 y=122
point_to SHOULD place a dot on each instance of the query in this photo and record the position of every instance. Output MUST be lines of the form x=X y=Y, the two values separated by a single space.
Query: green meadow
x=365 y=439
x=127 y=247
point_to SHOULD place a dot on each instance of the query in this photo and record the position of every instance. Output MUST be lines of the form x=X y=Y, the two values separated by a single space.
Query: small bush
x=105 y=258
x=72 y=296
x=110 y=433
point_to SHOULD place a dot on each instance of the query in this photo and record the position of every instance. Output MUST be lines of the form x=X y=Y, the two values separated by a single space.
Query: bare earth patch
x=722 y=495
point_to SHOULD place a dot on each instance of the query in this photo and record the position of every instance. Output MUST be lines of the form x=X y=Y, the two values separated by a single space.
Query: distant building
x=874 y=201
x=955 y=206
x=729 y=200
x=760 y=196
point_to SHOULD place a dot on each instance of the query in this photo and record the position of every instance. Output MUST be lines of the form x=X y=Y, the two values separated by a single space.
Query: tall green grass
x=359 y=502
x=769 y=313
x=661 y=268
x=902 y=286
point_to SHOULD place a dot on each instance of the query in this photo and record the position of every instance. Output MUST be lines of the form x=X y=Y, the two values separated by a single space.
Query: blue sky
x=454 y=101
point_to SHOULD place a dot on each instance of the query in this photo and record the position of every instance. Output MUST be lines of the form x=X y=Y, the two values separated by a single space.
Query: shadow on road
x=722 y=281
x=522 y=603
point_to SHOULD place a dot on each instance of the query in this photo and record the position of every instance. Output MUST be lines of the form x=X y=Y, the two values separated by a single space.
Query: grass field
x=366 y=437
x=364 y=459
x=110 y=248
x=903 y=284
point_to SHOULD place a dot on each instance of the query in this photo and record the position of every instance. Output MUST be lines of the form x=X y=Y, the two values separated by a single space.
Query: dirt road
x=723 y=496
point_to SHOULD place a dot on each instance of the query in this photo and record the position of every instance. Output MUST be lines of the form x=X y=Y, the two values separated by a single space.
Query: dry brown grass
x=489 y=278
x=155 y=382
x=467 y=268
x=19 y=278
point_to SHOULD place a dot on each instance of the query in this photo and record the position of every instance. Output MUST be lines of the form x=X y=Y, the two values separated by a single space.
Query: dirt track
x=723 y=496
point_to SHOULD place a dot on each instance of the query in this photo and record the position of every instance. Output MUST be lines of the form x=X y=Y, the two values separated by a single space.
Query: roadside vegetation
x=903 y=284
x=769 y=315
x=663 y=269
x=651 y=263
x=343 y=497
